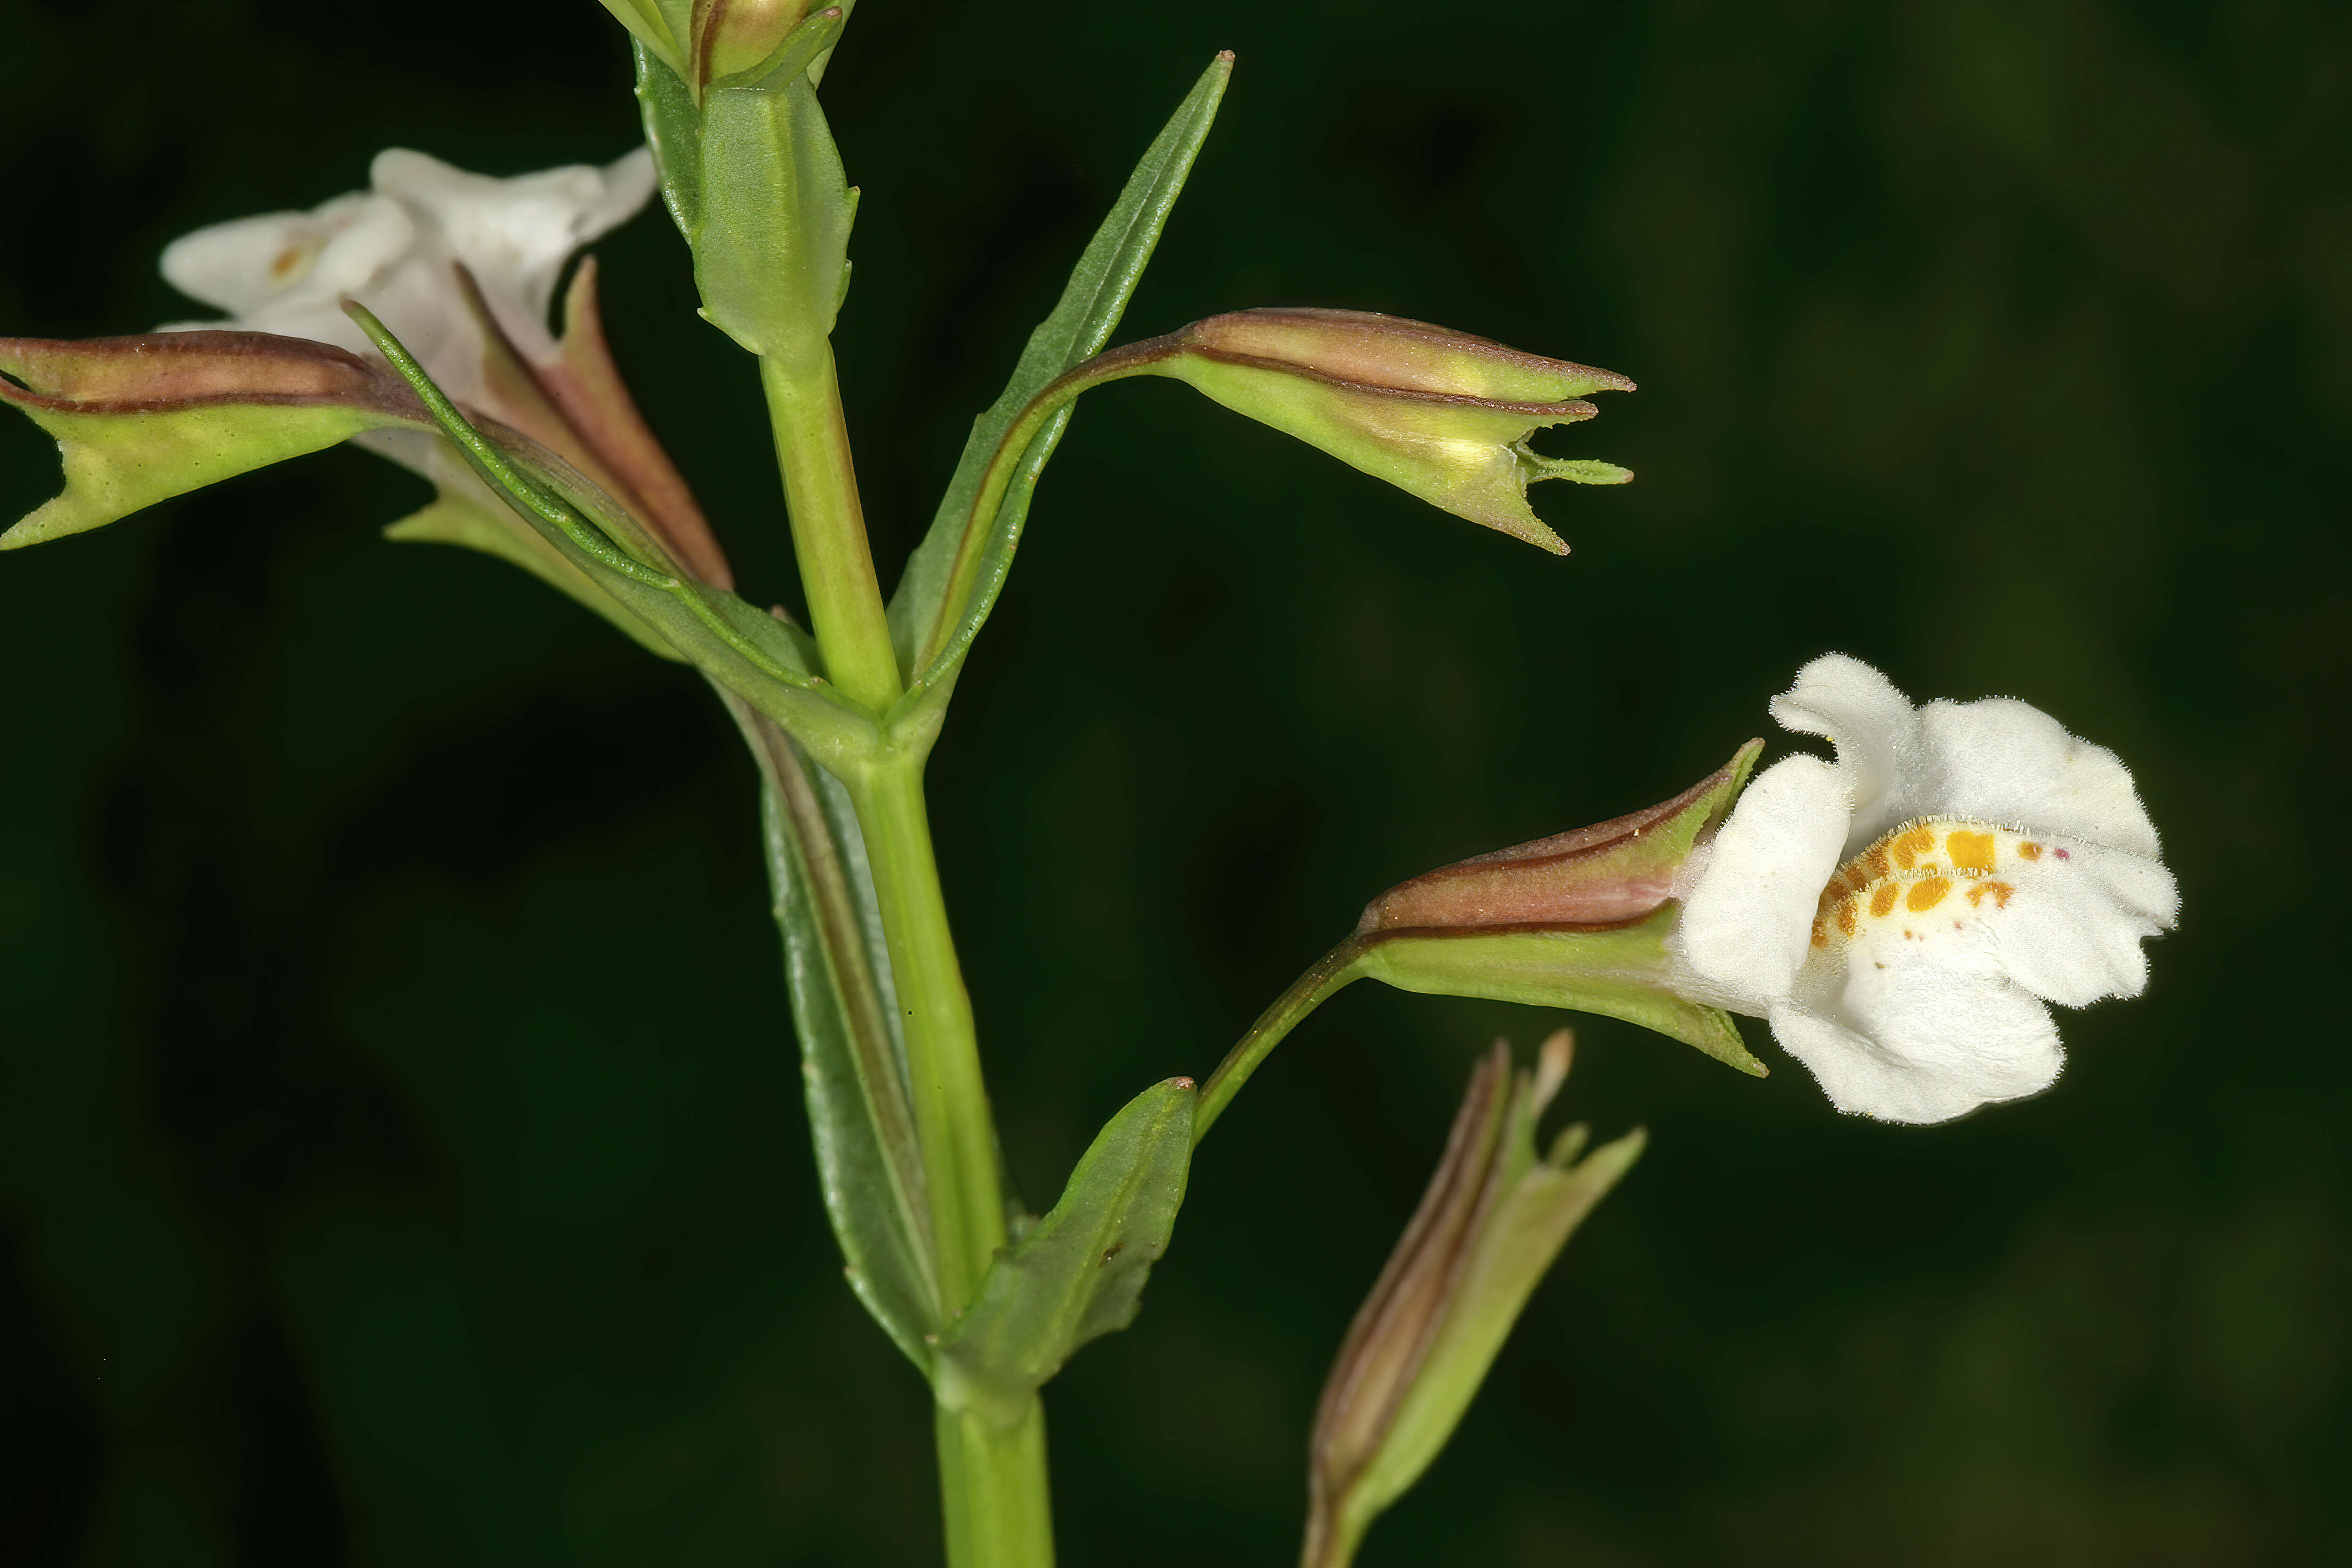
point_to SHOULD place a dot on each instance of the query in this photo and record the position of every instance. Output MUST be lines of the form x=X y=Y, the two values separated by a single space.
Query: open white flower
x=393 y=247
x=1902 y=915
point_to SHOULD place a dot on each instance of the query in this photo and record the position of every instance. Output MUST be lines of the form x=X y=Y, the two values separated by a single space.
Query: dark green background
x=399 y=1147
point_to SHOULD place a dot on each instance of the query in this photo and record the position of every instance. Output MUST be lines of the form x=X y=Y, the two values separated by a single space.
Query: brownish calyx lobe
x=1391 y=353
x=158 y=373
x=1608 y=874
x=577 y=406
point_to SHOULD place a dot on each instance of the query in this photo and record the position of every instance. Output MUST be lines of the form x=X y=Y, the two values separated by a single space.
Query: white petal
x=630 y=181
x=248 y=265
x=1878 y=736
x=1748 y=914
x=2005 y=760
x=1908 y=1031
x=228 y=266
x=515 y=235
x=363 y=241
x=2071 y=932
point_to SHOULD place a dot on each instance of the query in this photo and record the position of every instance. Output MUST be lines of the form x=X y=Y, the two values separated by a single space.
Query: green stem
x=991 y=1479
x=1335 y=969
x=951 y=1116
x=845 y=599
x=993 y=1485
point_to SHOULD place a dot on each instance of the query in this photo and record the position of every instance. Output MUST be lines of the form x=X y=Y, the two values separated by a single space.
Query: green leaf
x=1080 y=1273
x=771 y=232
x=758 y=656
x=852 y=1058
x=674 y=130
x=951 y=583
x=455 y=517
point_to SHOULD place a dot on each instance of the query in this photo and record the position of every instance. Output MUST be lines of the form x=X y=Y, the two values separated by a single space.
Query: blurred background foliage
x=399 y=1154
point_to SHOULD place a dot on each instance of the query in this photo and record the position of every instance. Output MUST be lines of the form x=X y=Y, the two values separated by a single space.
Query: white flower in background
x=392 y=248
x=1902 y=915
x=396 y=248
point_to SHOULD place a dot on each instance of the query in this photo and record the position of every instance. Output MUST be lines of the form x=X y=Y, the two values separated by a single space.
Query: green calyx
x=1439 y=414
x=1618 y=972
x=1580 y=921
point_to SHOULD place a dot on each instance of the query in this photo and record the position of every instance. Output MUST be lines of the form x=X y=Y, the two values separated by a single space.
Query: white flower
x=1902 y=915
x=392 y=248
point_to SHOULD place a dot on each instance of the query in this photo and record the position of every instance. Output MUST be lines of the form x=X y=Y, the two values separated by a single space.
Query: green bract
x=1078 y=1274
x=1495 y=1216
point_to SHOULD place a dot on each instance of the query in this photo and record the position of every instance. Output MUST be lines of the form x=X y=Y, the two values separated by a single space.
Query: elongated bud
x=1495 y=1215
x=1438 y=413
x=140 y=419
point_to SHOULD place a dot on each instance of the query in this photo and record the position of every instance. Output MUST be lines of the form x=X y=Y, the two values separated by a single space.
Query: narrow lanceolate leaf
x=954 y=576
x=1079 y=1274
x=674 y=130
x=759 y=657
x=140 y=419
x=853 y=1059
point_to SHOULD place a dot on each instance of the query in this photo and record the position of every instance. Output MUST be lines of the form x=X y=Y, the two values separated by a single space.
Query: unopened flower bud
x=1438 y=413
x=1495 y=1215
x=731 y=36
x=140 y=420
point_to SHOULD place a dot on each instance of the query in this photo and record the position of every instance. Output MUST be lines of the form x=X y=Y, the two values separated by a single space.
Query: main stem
x=951 y=1117
x=845 y=599
x=991 y=1479
x=992 y=1484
